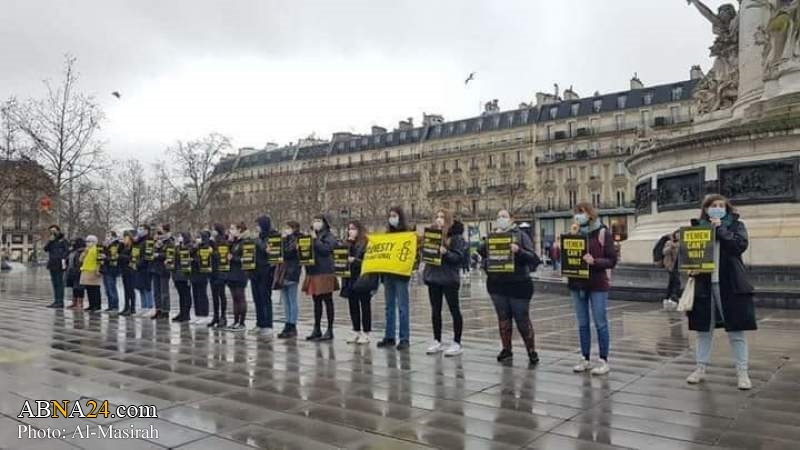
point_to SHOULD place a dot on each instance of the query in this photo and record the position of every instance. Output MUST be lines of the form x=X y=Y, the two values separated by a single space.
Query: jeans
x=510 y=309
x=219 y=300
x=736 y=338
x=57 y=281
x=396 y=293
x=110 y=284
x=261 y=288
x=361 y=312
x=289 y=299
x=597 y=302
x=435 y=294
x=161 y=291
x=146 y=298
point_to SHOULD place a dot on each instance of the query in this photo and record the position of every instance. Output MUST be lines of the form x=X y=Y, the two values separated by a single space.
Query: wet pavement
x=219 y=390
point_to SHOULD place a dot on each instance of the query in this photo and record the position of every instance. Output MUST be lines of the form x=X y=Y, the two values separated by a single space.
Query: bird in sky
x=116 y=94
x=469 y=78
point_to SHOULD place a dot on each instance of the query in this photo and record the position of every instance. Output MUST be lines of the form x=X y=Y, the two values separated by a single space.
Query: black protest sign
x=696 y=252
x=432 y=241
x=249 y=256
x=305 y=248
x=341 y=266
x=573 y=249
x=274 y=250
x=498 y=250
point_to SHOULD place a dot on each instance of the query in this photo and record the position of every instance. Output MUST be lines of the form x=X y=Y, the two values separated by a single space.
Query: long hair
x=294 y=225
x=402 y=225
x=711 y=198
x=448 y=219
x=587 y=208
x=361 y=238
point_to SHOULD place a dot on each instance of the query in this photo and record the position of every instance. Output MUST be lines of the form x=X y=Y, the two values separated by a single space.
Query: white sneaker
x=743 y=381
x=254 y=330
x=670 y=305
x=436 y=347
x=265 y=332
x=602 y=369
x=582 y=366
x=363 y=338
x=353 y=337
x=146 y=313
x=454 y=349
x=697 y=376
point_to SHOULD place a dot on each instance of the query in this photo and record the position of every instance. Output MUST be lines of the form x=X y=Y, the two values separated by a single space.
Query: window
x=571 y=152
x=462 y=126
x=675 y=113
x=473 y=164
x=594 y=147
x=456 y=162
x=458 y=206
x=549 y=154
x=491 y=161
x=595 y=171
x=574 y=108
x=474 y=207
x=490 y=182
x=593 y=125
x=677 y=93
x=620 y=146
x=433 y=167
x=519 y=156
x=619 y=119
x=504 y=157
x=620 y=168
x=444 y=166
x=645 y=118
x=571 y=173
x=402 y=135
x=553 y=112
x=549 y=132
x=386 y=156
x=622 y=100
x=475 y=184
x=550 y=203
x=571 y=129
x=647 y=99
x=620 y=199
x=459 y=185
x=389 y=137
x=597 y=105
x=573 y=199
x=596 y=199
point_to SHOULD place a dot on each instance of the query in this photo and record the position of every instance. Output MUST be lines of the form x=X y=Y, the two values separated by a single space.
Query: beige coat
x=670 y=254
x=89 y=277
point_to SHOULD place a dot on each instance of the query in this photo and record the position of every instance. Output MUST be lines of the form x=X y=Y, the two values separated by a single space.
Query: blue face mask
x=716 y=212
x=581 y=219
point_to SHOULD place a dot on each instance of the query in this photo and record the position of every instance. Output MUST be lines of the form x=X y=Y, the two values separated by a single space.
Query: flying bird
x=469 y=78
x=116 y=94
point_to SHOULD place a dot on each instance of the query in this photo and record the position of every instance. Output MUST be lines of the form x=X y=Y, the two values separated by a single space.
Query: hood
x=205 y=237
x=265 y=224
x=326 y=221
x=221 y=232
x=187 y=238
x=457 y=229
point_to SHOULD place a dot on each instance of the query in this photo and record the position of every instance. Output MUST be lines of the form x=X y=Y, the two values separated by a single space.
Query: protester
x=287 y=279
x=219 y=275
x=358 y=299
x=261 y=279
x=110 y=269
x=670 y=262
x=57 y=249
x=127 y=269
x=146 y=251
x=181 y=277
x=511 y=292
x=74 y=273
x=443 y=280
x=724 y=298
x=555 y=254
x=396 y=293
x=237 y=278
x=164 y=247
x=592 y=294
x=320 y=281
x=90 y=273
x=201 y=270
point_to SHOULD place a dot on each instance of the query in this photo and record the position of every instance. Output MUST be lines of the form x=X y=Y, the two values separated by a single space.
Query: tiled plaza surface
x=218 y=390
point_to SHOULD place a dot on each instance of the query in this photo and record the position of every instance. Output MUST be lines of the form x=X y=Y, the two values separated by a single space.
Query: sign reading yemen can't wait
x=697 y=249
x=341 y=266
x=432 y=241
x=392 y=253
x=573 y=248
x=274 y=250
x=498 y=249
x=305 y=250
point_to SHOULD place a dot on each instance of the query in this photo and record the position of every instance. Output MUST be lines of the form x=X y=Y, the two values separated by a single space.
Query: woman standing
x=143 y=281
x=320 y=279
x=443 y=280
x=291 y=278
x=90 y=273
x=396 y=292
x=360 y=308
x=74 y=273
x=220 y=267
x=511 y=292
x=126 y=268
x=182 y=275
x=201 y=270
x=724 y=298
x=592 y=294
x=237 y=277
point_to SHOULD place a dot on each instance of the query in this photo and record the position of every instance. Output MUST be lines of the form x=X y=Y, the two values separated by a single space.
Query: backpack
x=658 y=251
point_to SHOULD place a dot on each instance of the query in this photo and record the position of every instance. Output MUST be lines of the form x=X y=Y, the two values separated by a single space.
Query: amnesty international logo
x=392 y=253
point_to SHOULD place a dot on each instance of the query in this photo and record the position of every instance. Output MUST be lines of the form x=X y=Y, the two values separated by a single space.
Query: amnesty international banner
x=392 y=253
x=696 y=252
x=573 y=247
x=498 y=249
x=305 y=248
x=432 y=240
x=341 y=266
x=275 y=252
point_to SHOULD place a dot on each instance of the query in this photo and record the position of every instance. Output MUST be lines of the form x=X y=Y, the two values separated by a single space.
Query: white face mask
x=317 y=225
x=503 y=222
x=287 y=232
x=439 y=222
x=179 y=240
x=233 y=233
x=581 y=219
x=394 y=221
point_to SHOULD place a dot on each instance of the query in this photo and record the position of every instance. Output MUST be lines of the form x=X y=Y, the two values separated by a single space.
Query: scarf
x=590 y=227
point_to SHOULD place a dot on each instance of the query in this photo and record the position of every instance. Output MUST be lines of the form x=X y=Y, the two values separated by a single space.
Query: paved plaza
x=218 y=390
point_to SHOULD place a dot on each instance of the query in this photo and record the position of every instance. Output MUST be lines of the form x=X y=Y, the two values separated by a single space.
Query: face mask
x=394 y=221
x=716 y=212
x=287 y=232
x=233 y=233
x=503 y=222
x=317 y=226
x=439 y=222
x=214 y=234
x=581 y=219
x=352 y=234
x=258 y=229
x=180 y=240
x=141 y=232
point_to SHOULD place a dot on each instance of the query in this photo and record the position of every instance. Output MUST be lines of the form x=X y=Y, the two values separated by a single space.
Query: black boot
x=56 y=305
x=504 y=355
x=328 y=336
x=213 y=323
x=315 y=335
x=388 y=343
x=533 y=358
x=223 y=322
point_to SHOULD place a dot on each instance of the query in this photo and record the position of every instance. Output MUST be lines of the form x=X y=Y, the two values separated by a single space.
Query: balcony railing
x=583 y=155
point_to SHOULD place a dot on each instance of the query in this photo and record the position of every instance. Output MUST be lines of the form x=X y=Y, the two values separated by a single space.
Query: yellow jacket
x=89 y=263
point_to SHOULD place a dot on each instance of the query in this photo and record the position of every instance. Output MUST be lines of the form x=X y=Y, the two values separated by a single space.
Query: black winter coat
x=323 y=254
x=237 y=277
x=291 y=258
x=57 y=251
x=525 y=260
x=111 y=257
x=263 y=266
x=736 y=292
x=448 y=273
x=357 y=253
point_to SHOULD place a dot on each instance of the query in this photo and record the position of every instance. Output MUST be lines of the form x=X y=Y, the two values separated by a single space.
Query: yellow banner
x=392 y=253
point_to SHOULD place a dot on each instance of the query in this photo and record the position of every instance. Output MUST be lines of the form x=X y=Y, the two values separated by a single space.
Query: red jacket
x=605 y=257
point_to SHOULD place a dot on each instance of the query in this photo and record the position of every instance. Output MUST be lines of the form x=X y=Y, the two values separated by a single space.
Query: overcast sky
x=264 y=70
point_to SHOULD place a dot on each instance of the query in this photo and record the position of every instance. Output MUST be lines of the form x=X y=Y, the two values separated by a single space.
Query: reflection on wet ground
x=220 y=390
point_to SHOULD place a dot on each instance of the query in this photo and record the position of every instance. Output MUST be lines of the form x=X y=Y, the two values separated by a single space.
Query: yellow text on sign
x=392 y=253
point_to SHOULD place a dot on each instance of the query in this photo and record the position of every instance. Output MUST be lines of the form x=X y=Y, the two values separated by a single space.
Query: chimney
x=636 y=83
x=431 y=119
x=543 y=98
x=406 y=124
x=491 y=107
x=376 y=130
x=569 y=94
x=696 y=73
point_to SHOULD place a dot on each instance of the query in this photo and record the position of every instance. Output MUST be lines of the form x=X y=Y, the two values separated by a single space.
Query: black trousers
x=93 y=293
x=361 y=312
x=129 y=292
x=435 y=293
x=184 y=298
x=200 y=296
x=327 y=299
x=674 y=286
x=239 y=303
x=219 y=299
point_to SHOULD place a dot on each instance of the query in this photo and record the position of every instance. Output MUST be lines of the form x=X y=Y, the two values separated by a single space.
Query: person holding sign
x=320 y=282
x=181 y=276
x=287 y=278
x=127 y=274
x=396 y=292
x=511 y=291
x=237 y=277
x=592 y=293
x=724 y=297
x=360 y=308
x=143 y=281
x=220 y=267
x=444 y=280
x=261 y=279
x=201 y=270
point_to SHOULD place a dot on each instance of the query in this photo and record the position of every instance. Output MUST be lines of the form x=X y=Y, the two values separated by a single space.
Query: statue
x=781 y=37
x=719 y=88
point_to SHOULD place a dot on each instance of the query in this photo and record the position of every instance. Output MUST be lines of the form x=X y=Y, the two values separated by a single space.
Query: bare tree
x=194 y=166
x=136 y=197
x=62 y=128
